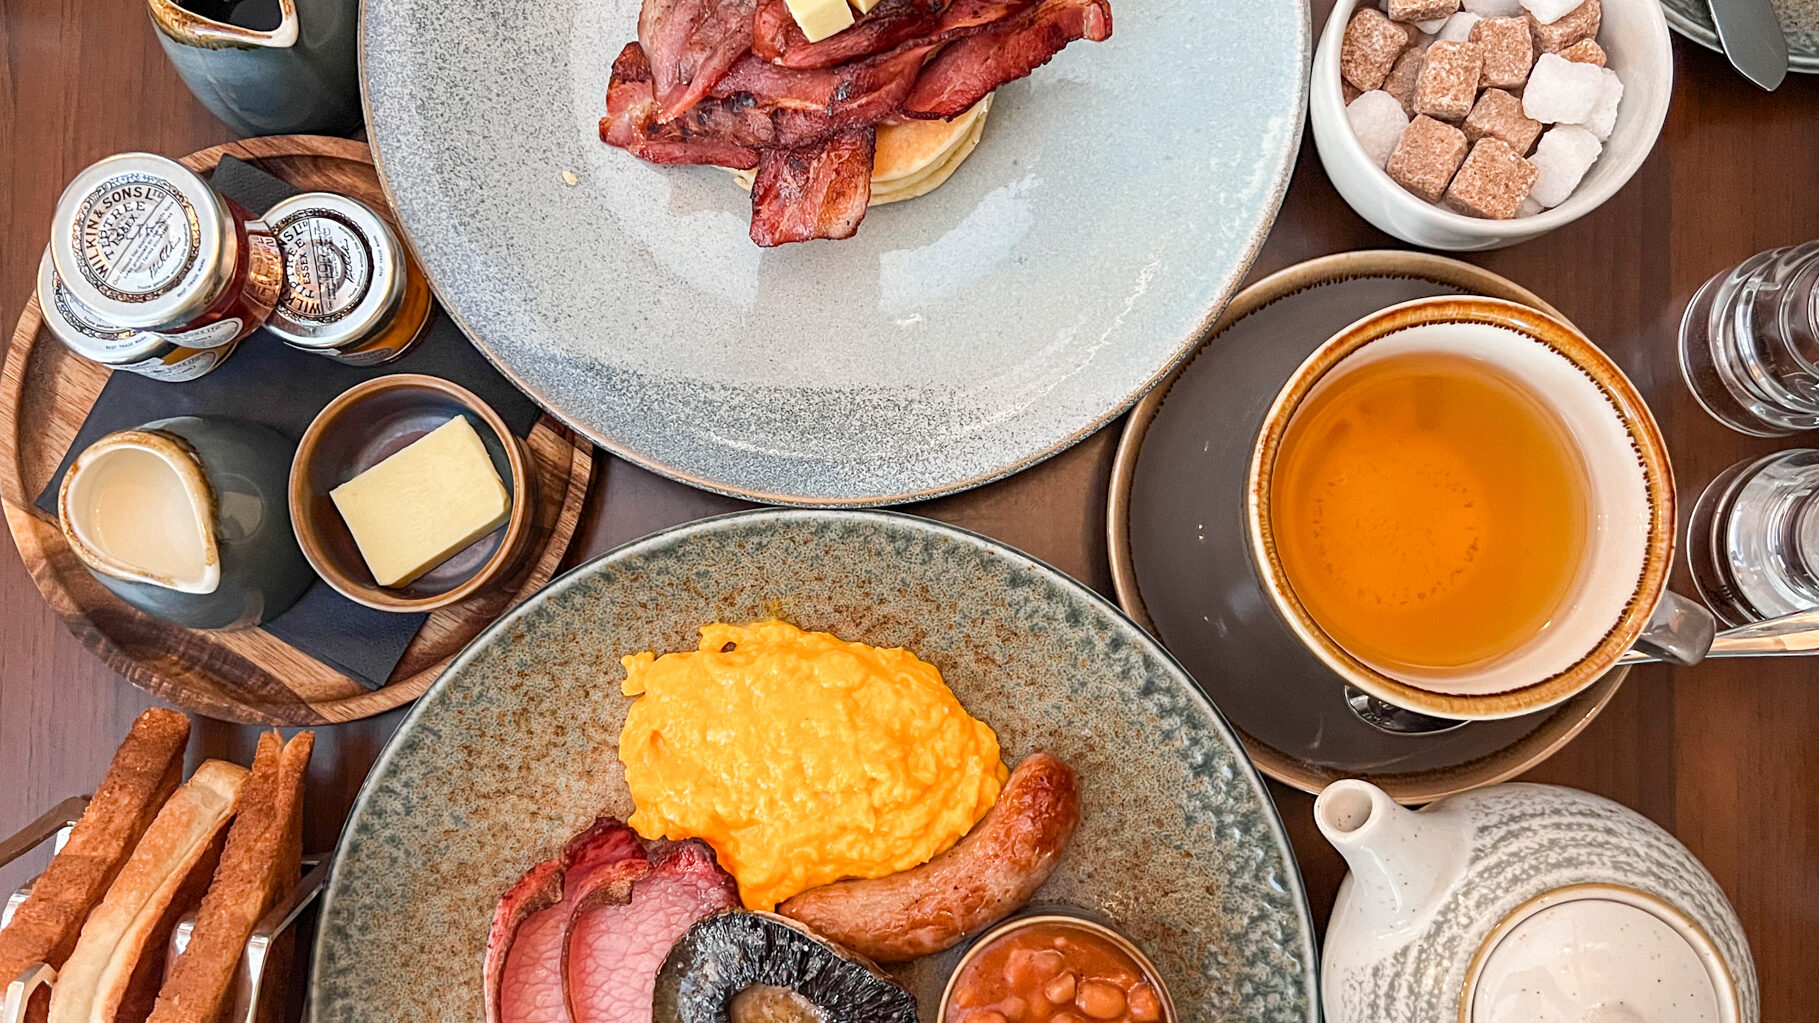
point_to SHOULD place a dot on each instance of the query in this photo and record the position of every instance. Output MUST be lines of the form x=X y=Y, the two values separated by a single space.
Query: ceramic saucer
x=1175 y=527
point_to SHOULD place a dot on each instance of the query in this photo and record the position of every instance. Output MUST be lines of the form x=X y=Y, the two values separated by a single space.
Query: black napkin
x=267 y=381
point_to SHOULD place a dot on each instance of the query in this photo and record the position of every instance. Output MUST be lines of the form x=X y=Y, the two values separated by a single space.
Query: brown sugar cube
x=1400 y=82
x=1372 y=43
x=1426 y=157
x=1448 y=82
x=1579 y=23
x=1509 y=51
x=1499 y=115
x=1492 y=182
x=1422 y=10
x=1348 y=91
x=1585 y=51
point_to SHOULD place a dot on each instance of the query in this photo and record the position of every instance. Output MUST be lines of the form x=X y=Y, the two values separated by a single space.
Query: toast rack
x=54 y=826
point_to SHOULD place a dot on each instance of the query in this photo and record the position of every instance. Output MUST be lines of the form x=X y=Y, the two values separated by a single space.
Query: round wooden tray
x=249 y=675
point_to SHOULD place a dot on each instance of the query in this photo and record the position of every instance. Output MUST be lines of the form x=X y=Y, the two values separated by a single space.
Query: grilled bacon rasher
x=735 y=83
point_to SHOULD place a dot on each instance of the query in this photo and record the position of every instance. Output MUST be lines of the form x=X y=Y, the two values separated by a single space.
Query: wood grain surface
x=251 y=676
x=1722 y=755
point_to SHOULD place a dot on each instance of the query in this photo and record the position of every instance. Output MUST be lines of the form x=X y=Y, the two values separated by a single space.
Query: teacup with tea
x=1465 y=509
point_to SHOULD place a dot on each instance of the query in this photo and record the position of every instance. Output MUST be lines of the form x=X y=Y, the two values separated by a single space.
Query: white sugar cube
x=1560 y=91
x=1377 y=119
x=1562 y=157
x=1430 y=27
x=1529 y=207
x=1549 y=11
x=1458 y=28
x=1494 y=8
x=1603 y=118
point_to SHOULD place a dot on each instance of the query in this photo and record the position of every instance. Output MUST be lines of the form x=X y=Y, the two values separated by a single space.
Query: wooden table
x=1726 y=756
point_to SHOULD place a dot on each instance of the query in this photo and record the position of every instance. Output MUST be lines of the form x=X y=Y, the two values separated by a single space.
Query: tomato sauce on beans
x=1053 y=973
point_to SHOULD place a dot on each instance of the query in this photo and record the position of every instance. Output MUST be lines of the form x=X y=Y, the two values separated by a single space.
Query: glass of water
x=1749 y=343
x=1753 y=540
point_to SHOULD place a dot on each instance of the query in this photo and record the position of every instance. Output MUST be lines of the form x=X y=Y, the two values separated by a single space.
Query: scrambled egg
x=801 y=758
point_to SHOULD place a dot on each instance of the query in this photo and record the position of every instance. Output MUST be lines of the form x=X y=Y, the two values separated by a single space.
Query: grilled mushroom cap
x=730 y=952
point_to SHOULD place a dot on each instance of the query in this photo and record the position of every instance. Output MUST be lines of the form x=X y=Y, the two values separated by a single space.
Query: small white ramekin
x=1634 y=35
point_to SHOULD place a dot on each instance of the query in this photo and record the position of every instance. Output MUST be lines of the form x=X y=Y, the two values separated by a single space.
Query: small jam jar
x=351 y=291
x=173 y=358
x=145 y=243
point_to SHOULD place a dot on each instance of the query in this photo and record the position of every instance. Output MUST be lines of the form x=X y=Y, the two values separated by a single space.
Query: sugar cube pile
x=1491 y=108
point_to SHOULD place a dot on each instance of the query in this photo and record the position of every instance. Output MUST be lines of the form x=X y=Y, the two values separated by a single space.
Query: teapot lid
x=1598 y=954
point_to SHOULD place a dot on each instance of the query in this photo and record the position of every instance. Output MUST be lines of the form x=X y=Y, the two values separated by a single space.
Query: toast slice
x=113 y=974
x=145 y=771
x=263 y=856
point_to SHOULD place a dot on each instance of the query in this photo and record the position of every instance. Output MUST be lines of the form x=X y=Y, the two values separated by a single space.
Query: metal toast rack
x=54 y=826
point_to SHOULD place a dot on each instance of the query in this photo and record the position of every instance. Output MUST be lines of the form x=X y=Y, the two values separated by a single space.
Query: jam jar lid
x=82 y=330
x=344 y=271
x=144 y=242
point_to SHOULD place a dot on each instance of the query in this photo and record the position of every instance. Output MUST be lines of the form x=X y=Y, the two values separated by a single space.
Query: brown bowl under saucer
x=360 y=428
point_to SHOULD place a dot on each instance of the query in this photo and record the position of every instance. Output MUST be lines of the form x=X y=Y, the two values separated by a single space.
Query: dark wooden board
x=1722 y=755
x=248 y=675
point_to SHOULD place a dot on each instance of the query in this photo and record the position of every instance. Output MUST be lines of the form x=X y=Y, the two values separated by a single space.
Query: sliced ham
x=818 y=192
x=964 y=72
x=524 y=950
x=691 y=43
x=615 y=948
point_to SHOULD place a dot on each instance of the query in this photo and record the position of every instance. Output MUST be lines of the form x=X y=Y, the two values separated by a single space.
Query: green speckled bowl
x=515 y=748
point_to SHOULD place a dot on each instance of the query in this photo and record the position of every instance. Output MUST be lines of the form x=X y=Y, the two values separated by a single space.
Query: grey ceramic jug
x=268 y=67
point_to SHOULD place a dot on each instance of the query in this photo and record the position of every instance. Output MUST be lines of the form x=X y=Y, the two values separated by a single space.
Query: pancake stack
x=915 y=157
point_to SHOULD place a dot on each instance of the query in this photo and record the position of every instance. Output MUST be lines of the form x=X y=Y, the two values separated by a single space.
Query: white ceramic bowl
x=1634 y=35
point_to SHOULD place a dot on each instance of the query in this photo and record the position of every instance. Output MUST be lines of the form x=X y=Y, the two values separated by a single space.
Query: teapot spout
x=1402 y=861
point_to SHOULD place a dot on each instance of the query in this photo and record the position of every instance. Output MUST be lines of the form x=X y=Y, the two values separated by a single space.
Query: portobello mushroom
x=734 y=952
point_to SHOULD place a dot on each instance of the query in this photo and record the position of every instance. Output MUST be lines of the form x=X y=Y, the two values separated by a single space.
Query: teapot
x=1524 y=902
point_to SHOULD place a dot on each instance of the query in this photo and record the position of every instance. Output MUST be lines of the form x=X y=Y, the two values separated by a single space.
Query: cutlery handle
x=1750 y=32
x=1787 y=636
x=45 y=827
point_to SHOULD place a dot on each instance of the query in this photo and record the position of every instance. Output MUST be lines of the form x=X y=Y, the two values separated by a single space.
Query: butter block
x=819 y=19
x=424 y=503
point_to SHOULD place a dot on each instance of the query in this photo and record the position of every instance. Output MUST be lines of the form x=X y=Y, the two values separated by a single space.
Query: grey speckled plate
x=1113 y=205
x=515 y=749
x=1799 y=21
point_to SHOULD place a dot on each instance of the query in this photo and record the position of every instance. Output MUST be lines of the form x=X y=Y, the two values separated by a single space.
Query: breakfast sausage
x=981 y=880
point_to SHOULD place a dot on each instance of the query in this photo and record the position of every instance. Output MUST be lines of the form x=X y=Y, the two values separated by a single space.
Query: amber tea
x=1429 y=512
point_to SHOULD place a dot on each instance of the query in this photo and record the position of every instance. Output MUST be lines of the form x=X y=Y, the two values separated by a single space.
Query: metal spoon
x=1788 y=636
x=1387 y=717
x=1751 y=34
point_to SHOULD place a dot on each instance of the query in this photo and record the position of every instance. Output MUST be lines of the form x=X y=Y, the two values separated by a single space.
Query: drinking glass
x=1749 y=343
x=1753 y=540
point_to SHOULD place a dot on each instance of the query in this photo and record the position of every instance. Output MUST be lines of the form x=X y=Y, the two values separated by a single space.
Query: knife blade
x=1751 y=34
